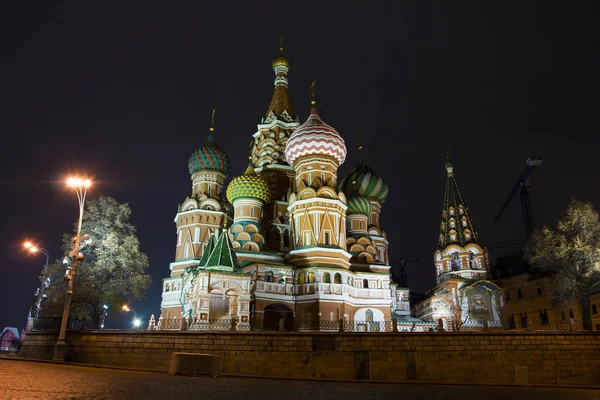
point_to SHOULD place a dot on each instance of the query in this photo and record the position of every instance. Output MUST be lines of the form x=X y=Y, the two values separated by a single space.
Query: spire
x=223 y=257
x=209 y=248
x=211 y=131
x=360 y=145
x=281 y=106
x=313 y=103
x=457 y=225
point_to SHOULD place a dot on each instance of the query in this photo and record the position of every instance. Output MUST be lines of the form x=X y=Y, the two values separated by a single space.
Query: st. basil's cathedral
x=291 y=246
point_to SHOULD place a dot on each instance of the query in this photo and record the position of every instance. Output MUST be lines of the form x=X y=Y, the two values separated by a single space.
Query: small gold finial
x=360 y=143
x=312 y=89
x=212 y=122
x=281 y=44
x=225 y=223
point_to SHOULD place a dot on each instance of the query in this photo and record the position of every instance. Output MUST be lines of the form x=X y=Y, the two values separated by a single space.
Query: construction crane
x=521 y=186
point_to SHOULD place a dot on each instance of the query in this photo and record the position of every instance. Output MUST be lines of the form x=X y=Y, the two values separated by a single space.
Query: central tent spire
x=281 y=107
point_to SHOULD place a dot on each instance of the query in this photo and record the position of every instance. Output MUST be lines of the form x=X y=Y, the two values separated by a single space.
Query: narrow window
x=209 y=190
x=507 y=296
x=539 y=291
x=594 y=309
x=360 y=225
x=571 y=314
x=187 y=250
x=562 y=314
x=197 y=235
x=323 y=179
x=365 y=283
x=252 y=211
x=520 y=293
x=326 y=277
x=369 y=316
x=326 y=237
x=331 y=316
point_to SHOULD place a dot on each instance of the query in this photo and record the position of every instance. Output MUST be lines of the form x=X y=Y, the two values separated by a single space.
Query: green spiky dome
x=249 y=185
x=362 y=181
x=359 y=205
x=209 y=157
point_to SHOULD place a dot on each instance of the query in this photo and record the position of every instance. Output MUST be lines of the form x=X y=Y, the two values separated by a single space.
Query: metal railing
x=229 y=324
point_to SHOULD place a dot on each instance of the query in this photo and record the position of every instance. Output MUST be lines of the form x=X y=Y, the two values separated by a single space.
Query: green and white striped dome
x=359 y=205
x=362 y=181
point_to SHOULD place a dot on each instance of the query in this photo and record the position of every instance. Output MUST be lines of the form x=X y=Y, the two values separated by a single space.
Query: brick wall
x=441 y=357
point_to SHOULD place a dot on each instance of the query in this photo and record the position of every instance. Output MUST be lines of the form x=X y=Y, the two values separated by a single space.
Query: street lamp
x=72 y=261
x=45 y=280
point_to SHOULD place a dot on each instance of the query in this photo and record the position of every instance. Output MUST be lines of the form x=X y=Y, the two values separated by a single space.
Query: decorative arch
x=326 y=277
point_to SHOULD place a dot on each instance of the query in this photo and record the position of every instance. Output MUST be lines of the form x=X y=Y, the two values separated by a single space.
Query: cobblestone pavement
x=29 y=380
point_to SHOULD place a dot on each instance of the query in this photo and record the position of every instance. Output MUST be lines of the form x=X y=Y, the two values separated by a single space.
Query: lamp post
x=72 y=261
x=40 y=292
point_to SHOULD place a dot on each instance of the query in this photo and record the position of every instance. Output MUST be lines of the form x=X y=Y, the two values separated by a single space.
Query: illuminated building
x=291 y=247
x=464 y=296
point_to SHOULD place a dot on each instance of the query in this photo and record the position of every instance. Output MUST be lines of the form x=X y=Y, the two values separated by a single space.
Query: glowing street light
x=75 y=257
x=125 y=308
x=137 y=323
x=45 y=280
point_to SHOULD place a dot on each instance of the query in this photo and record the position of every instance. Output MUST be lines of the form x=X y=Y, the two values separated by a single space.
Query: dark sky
x=123 y=92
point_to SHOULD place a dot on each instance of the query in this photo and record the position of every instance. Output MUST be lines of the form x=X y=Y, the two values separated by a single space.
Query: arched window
x=173 y=287
x=301 y=278
x=167 y=287
x=282 y=278
x=311 y=277
x=326 y=277
x=337 y=278
x=365 y=283
x=455 y=262
x=472 y=264
x=369 y=314
x=269 y=276
x=286 y=239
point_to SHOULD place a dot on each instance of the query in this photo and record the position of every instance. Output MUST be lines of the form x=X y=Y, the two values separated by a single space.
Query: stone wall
x=440 y=357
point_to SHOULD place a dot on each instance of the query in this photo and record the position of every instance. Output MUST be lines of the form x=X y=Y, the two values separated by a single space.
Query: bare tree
x=452 y=308
x=571 y=252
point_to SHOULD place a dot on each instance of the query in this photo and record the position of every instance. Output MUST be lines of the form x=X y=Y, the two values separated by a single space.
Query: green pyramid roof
x=209 y=248
x=222 y=256
x=456 y=218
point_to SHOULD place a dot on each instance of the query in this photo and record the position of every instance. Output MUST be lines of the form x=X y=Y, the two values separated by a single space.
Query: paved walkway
x=31 y=380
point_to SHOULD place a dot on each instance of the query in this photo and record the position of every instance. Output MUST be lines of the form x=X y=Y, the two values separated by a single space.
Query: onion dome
x=249 y=185
x=359 y=205
x=209 y=157
x=362 y=181
x=315 y=137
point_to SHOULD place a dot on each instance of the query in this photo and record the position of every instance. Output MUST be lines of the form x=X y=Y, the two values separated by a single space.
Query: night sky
x=123 y=93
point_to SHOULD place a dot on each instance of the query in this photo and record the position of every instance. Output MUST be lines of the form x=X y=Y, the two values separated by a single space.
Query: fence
x=227 y=324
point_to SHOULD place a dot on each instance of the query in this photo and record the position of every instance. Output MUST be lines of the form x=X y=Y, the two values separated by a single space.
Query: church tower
x=204 y=211
x=459 y=254
x=248 y=193
x=463 y=295
x=363 y=186
x=317 y=209
x=268 y=156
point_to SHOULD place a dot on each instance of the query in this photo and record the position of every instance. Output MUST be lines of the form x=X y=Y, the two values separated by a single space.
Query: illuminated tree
x=114 y=269
x=571 y=252
x=452 y=308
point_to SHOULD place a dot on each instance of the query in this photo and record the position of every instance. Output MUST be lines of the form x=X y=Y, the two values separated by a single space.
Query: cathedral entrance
x=276 y=314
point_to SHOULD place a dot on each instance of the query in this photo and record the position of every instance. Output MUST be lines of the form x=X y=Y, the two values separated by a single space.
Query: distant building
x=10 y=340
x=528 y=298
x=291 y=247
x=463 y=294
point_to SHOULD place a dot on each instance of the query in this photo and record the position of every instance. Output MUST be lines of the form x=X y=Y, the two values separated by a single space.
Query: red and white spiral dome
x=315 y=137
